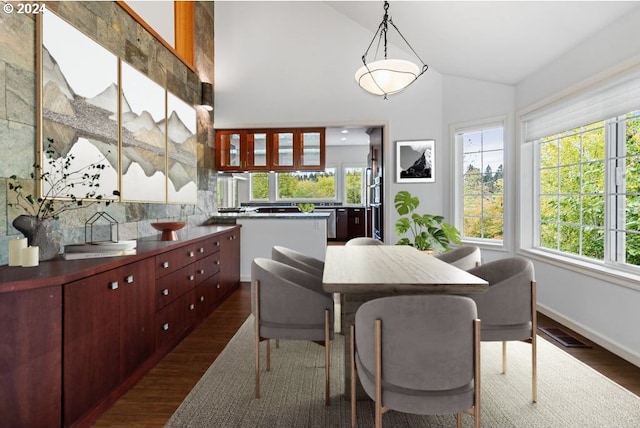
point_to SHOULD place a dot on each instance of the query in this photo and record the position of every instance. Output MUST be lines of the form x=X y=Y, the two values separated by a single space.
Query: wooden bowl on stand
x=169 y=229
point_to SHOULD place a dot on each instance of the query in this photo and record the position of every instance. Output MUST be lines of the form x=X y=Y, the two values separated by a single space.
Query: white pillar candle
x=30 y=256
x=15 y=251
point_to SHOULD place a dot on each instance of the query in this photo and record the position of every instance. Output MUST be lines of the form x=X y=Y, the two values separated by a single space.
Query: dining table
x=362 y=273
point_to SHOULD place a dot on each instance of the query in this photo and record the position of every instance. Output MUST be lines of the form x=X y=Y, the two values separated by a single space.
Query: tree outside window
x=483 y=182
x=589 y=198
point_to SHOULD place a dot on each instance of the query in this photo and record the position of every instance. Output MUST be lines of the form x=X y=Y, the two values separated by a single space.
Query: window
x=589 y=190
x=354 y=183
x=480 y=207
x=325 y=185
x=307 y=185
x=259 y=186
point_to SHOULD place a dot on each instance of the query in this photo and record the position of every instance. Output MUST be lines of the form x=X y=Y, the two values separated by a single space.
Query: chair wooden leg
x=352 y=361
x=378 y=374
x=504 y=357
x=327 y=359
x=459 y=420
x=268 y=351
x=534 y=343
x=476 y=375
x=256 y=328
x=277 y=343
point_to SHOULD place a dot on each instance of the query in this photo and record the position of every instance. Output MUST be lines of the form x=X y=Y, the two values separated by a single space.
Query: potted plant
x=428 y=232
x=61 y=180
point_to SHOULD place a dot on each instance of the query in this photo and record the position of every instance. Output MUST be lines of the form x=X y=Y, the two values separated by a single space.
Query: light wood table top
x=393 y=269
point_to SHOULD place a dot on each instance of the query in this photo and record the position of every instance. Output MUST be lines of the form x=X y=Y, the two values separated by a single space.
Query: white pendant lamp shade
x=387 y=76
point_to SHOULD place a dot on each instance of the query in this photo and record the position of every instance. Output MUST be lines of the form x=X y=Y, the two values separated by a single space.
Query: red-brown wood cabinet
x=75 y=335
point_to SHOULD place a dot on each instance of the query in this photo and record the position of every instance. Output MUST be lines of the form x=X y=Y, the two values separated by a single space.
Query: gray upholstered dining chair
x=364 y=241
x=289 y=304
x=465 y=257
x=417 y=354
x=298 y=260
x=508 y=309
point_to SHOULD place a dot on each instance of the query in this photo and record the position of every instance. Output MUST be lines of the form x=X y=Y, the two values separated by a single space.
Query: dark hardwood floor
x=154 y=399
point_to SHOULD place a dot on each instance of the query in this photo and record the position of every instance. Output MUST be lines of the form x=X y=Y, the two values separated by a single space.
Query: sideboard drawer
x=174 y=285
x=173 y=260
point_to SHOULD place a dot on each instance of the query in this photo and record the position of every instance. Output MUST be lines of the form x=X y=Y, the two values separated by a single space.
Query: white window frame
x=457 y=178
x=620 y=90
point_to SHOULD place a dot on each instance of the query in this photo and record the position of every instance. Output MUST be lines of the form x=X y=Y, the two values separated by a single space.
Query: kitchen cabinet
x=79 y=333
x=283 y=149
x=356 y=220
x=242 y=150
x=350 y=223
x=230 y=262
x=108 y=321
x=342 y=224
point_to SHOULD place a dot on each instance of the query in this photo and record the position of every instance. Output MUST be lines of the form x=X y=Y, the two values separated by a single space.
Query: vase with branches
x=60 y=182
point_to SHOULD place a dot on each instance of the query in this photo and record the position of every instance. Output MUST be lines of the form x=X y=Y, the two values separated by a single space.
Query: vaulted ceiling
x=499 y=41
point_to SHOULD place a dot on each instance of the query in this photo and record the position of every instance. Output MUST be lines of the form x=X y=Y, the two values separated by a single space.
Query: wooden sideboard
x=75 y=335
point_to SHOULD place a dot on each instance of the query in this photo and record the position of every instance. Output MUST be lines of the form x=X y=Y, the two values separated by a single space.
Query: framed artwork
x=144 y=142
x=182 y=139
x=78 y=110
x=415 y=161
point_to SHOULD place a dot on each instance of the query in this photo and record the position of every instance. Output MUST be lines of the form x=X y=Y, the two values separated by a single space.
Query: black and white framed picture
x=415 y=161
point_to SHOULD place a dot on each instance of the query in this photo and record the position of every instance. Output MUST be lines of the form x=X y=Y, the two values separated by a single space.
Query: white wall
x=293 y=64
x=601 y=307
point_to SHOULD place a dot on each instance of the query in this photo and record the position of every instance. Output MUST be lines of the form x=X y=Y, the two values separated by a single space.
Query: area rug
x=570 y=394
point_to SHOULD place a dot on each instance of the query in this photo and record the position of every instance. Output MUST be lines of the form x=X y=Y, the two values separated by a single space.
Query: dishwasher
x=331 y=221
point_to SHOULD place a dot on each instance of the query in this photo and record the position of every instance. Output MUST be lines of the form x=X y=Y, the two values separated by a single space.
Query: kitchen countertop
x=227 y=218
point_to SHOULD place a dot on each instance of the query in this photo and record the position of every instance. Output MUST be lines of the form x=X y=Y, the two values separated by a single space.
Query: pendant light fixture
x=387 y=76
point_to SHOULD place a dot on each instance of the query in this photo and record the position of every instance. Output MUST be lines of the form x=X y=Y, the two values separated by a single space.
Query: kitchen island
x=304 y=232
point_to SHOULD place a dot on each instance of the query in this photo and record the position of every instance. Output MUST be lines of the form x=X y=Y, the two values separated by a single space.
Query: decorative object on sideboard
x=15 y=251
x=388 y=76
x=39 y=234
x=428 y=231
x=59 y=184
x=95 y=232
x=168 y=229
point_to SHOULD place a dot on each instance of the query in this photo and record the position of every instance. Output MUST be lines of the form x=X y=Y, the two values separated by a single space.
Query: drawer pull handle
x=201 y=271
x=201 y=250
x=217 y=262
x=217 y=243
x=218 y=286
x=191 y=254
x=202 y=298
x=192 y=307
x=165 y=265
x=129 y=279
x=191 y=277
x=113 y=285
x=165 y=326
x=165 y=292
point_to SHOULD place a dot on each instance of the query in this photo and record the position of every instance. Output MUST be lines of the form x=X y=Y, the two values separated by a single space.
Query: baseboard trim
x=610 y=346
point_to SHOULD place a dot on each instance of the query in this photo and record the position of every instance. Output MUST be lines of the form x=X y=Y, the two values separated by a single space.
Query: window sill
x=592 y=269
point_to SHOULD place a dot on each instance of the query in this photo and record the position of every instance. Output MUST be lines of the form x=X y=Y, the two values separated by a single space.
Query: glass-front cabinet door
x=229 y=150
x=312 y=149
x=283 y=150
x=257 y=153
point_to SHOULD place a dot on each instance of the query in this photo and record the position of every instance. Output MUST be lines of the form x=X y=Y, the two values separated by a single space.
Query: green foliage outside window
x=259 y=185
x=307 y=185
x=353 y=185
x=573 y=197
